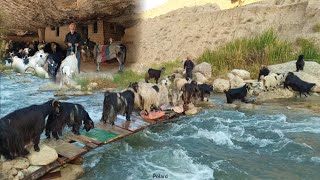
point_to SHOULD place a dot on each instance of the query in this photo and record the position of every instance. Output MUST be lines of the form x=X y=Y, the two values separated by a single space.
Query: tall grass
x=122 y=80
x=251 y=53
x=308 y=49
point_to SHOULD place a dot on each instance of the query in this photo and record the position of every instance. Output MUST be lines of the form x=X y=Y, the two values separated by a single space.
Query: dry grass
x=316 y=27
x=102 y=83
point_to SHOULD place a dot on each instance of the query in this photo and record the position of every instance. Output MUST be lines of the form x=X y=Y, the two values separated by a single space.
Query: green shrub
x=249 y=53
x=308 y=49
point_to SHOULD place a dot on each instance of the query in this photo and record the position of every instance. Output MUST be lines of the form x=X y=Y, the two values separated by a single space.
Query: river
x=271 y=142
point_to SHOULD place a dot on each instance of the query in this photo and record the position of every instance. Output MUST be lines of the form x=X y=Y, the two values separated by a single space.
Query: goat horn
x=54 y=102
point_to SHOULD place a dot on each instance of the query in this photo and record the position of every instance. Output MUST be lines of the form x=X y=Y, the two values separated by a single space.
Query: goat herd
x=22 y=126
x=45 y=59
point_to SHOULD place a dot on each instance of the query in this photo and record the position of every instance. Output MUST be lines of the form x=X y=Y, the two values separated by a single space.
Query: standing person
x=188 y=67
x=73 y=40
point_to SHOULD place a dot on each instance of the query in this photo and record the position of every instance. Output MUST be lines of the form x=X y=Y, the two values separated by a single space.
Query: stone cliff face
x=28 y=15
x=190 y=31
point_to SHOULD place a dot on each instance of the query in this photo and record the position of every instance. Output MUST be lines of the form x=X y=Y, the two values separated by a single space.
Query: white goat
x=39 y=58
x=20 y=65
x=41 y=72
x=177 y=93
x=149 y=96
x=68 y=68
x=272 y=81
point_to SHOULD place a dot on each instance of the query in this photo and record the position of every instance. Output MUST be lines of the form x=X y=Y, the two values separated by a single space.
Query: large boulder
x=45 y=156
x=310 y=67
x=243 y=74
x=236 y=82
x=200 y=78
x=277 y=94
x=203 y=68
x=221 y=85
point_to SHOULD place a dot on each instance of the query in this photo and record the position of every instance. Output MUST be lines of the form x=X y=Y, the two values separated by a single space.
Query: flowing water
x=266 y=143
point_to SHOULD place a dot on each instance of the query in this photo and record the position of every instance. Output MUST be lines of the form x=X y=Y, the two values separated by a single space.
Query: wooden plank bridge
x=101 y=135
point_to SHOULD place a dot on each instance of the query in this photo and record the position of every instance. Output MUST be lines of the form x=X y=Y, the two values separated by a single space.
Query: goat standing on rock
x=154 y=74
x=300 y=63
x=20 y=127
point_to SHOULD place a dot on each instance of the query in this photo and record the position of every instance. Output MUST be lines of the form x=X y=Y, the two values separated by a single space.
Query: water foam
x=219 y=137
x=316 y=159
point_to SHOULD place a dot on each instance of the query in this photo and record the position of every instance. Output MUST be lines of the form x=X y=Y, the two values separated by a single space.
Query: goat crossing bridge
x=101 y=135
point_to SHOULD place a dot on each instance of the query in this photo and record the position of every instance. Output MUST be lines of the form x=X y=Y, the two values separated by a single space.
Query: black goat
x=237 y=93
x=189 y=91
x=154 y=74
x=24 y=125
x=264 y=71
x=297 y=84
x=204 y=90
x=300 y=63
x=70 y=114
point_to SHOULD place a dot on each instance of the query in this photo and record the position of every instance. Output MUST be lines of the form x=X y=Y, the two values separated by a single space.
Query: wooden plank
x=113 y=129
x=52 y=175
x=69 y=151
x=91 y=139
x=132 y=125
x=81 y=139
x=45 y=169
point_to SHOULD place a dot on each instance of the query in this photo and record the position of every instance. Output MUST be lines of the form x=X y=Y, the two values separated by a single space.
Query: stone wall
x=112 y=30
x=51 y=36
x=99 y=36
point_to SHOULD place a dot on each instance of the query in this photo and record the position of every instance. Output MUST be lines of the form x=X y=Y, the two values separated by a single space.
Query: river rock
x=21 y=163
x=205 y=104
x=200 y=78
x=191 y=109
x=220 y=85
x=276 y=94
x=20 y=175
x=13 y=172
x=203 y=68
x=45 y=156
x=229 y=106
x=243 y=74
x=71 y=172
x=310 y=67
x=236 y=82
x=246 y=106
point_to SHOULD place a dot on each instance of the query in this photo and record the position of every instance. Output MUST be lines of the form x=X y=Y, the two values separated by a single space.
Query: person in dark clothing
x=73 y=40
x=188 y=66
